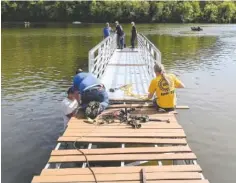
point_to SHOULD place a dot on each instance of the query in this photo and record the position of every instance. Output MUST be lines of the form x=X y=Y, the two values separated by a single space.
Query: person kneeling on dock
x=93 y=96
x=69 y=106
x=164 y=87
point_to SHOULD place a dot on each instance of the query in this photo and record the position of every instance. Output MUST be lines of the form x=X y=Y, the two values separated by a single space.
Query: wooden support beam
x=144 y=179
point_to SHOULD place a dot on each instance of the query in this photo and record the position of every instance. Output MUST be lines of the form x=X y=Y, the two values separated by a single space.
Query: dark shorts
x=95 y=94
x=158 y=107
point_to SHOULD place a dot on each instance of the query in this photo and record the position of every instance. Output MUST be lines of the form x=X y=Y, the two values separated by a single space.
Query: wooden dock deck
x=157 y=152
x=159 y=148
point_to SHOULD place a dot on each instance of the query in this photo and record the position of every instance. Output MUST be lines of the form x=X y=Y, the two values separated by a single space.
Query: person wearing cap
x=133 y=34
x=107 y=31
x=69 y=106
x=90 y=89
x=120 y=35
x=164 y=85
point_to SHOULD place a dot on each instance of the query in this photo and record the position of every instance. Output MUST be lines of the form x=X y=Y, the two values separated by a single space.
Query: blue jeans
x=98 y=95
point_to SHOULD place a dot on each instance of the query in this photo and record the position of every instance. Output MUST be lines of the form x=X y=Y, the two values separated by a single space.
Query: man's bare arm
x=150 y=95
x=180 y=85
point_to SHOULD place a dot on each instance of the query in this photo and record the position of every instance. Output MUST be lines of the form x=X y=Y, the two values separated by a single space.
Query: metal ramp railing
x=100 y=55
x=149 y=52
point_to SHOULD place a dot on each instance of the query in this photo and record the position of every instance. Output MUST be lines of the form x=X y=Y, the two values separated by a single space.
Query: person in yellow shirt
x=164 y=86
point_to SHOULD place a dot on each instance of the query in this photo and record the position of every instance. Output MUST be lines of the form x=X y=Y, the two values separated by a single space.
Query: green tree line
x=124 y=11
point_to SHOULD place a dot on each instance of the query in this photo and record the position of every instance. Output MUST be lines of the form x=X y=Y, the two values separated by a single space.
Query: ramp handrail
x=100 y=55
x=149 y=52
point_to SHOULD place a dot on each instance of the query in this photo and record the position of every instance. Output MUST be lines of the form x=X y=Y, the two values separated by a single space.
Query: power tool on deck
x=125 y=116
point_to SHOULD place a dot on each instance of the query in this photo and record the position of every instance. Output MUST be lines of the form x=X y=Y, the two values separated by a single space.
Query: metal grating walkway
x=126 y=67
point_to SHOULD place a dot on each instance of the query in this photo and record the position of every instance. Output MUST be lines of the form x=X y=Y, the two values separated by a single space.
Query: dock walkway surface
x=126 y=67
x=159 y=148
x=157 y=152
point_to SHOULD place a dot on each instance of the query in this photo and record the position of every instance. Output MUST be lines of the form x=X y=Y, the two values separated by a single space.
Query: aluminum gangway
x=155 y=153
x=116 y=67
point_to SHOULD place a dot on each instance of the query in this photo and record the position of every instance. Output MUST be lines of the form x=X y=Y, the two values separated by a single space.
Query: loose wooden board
x=150 y=125
x=121 y=170
x=118 y=177
x=169 y=141
x=133 y=150
x=144 y=105
x=122 y=157
x=123 y=134
x=112 y=130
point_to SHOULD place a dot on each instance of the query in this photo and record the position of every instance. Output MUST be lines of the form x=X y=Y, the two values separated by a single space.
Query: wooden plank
x=155 y=116
x=150 y=125
x=122 y=157
x=157 y=181
x=146 y=110
x=118 y=177
x=142 y=105
x=135 y=150
x=150 y=112
x=129 y=130
x=152 y=118
x=151 y=181
x=125 y=140
x=121 y=134
x=122 y=170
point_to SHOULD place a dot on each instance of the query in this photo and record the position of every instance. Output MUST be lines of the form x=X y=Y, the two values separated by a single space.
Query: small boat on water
x=196 y=29
x=76 y=22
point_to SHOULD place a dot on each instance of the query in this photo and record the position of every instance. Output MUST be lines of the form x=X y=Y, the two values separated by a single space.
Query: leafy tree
x=226 y=12
x=156 y=11
x=210 y=13
x=124 y=11
x=185 y=11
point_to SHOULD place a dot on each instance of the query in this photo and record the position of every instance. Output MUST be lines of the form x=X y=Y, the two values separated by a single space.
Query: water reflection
x=38 y=65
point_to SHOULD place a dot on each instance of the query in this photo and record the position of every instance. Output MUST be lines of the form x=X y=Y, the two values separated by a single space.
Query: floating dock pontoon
x=158 y=152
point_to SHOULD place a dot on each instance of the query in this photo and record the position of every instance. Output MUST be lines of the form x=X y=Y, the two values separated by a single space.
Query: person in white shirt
x=69 y=106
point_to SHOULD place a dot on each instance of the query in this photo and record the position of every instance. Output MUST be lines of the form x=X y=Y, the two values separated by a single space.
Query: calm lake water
x=38 y=64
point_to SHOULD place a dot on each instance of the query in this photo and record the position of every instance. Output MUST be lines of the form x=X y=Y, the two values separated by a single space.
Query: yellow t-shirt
x=166 y=97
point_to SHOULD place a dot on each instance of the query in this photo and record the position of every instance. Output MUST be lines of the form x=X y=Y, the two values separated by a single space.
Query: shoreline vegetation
x=123 y=11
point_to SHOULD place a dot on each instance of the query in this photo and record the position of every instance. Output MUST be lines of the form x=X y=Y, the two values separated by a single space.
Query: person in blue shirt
x=107 y=31
x=91 y=91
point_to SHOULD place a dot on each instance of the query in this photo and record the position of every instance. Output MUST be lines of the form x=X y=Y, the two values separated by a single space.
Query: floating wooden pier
x=158 y=152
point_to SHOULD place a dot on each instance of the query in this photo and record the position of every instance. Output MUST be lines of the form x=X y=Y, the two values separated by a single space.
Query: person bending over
x=69 y=106
x=164 y=85
x=92 y=93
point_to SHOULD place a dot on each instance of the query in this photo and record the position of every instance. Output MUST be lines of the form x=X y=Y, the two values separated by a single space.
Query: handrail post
x=105 y=49
x=149 y=53
x=91 y=61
